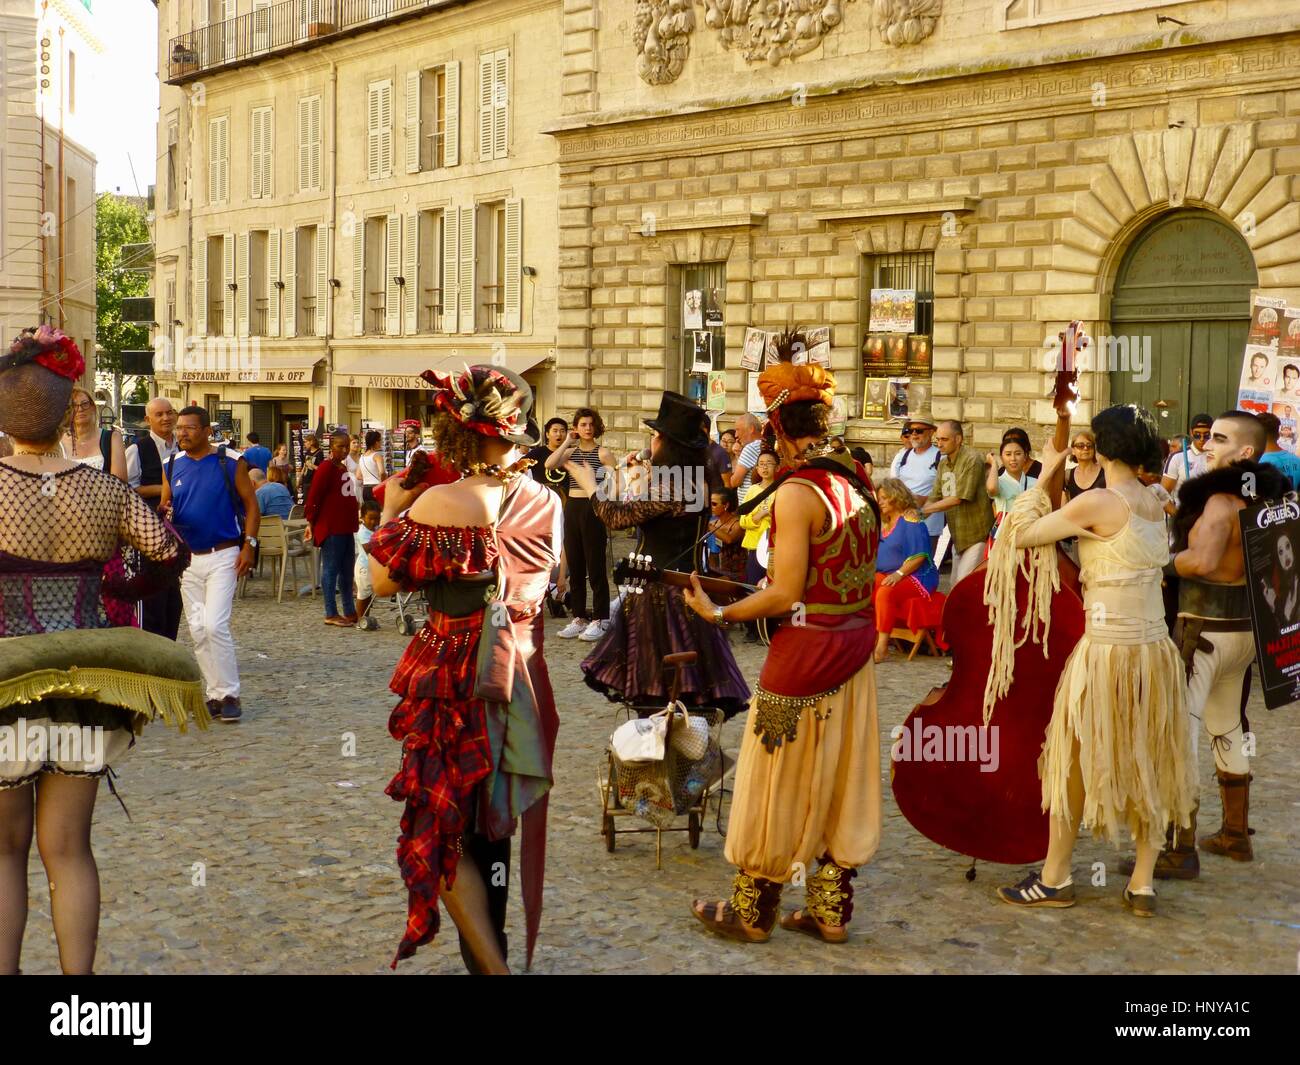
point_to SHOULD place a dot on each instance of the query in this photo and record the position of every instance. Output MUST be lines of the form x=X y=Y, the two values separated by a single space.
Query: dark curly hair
x=1127 y=433
x=597 y=421
x=808 y=417
x=456 y=445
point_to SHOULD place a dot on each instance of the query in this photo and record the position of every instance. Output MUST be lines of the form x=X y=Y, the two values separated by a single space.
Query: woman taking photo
x=904 y=568
x=371 y=465
x=59 y=522
x=627 y=665
x=584 y=535
x=481 y=550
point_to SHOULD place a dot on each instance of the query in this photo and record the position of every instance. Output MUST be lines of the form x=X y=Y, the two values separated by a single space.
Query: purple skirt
x=627 y=665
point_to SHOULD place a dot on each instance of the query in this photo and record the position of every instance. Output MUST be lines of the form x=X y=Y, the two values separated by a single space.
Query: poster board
x=1270 y=365
x=892 y=310
x=1270 y=539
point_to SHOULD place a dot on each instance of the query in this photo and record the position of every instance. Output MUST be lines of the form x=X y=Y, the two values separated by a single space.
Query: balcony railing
x=378 y=306
x=216 y=318
x=494 y=308
x=432 y=310
x=307 y=316
x=280 y=27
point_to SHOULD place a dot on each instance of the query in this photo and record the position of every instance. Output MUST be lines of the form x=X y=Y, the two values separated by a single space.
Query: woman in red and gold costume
x=477 y=719
x=808 y=779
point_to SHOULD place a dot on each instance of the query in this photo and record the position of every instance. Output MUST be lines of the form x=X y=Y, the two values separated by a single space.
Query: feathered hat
x=488 y=400
x=36 y=379
x=788 y=382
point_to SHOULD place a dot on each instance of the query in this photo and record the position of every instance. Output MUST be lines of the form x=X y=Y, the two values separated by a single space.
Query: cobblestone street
x=297 y=840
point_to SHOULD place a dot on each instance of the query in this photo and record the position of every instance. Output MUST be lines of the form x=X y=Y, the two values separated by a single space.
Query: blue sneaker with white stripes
x=1033 y=892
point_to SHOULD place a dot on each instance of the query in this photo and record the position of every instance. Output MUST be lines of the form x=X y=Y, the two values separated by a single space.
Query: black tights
x=584 y=547
x=60 y=809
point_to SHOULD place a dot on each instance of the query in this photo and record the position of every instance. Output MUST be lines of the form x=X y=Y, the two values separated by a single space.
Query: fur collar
x=1193 y=494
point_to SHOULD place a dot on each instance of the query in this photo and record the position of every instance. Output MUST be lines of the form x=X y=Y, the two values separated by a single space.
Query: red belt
x=219 y=546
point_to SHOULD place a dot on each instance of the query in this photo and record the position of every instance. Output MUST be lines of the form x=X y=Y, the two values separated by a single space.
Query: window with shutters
x=435 y=123
x=170 y=316
x=379 y=130
x=213 y=273
x=309 y=144
x=382 y=263
x=261 y=127
x=305 y=287
x=430 y=271
x=259 y=295
x=172 y=190
x=219 y=159
x=498 y=265
x=494 y=104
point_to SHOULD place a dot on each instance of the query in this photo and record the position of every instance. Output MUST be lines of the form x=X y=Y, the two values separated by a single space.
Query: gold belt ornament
x=776 y=717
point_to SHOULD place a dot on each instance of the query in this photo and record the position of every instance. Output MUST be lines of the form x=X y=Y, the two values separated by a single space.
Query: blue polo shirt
x=257 y=457
x=1286 y=462
x=202 y=510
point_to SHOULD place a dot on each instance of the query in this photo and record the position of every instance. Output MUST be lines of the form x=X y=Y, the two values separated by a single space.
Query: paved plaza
x=268 y=847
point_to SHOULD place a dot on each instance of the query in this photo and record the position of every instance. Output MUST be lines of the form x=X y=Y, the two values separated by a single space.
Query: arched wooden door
x=1183 y=295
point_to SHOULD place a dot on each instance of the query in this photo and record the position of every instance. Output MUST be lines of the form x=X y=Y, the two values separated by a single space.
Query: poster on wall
x=713 y=310
x=896 y=356
x=1270 y=366
x=893 y=310
x=873 y=355
x=918 y=356
x=754 y=398
x=703 y=352
x=1270 y=540
x=839 y=417
x=1265 y=320
x=819 y=345
x=898 y=398
x=717 y=390
x=693 y=309
x=875 y=399
x=1289 y=334
x=751 y=354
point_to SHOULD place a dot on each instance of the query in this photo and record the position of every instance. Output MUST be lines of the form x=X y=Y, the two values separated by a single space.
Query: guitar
x=634 y=573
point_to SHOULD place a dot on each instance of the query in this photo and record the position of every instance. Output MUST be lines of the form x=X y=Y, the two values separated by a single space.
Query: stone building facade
x=1029 y=161
x=350 y=194
x=47 y=174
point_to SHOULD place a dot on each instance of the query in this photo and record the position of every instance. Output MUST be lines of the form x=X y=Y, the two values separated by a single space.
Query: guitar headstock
x=1065 y=388
x=633 y=573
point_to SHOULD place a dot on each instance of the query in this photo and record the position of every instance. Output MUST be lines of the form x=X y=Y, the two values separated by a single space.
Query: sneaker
x=594 y=631
x=1033 y=892
x=1142 y=905
x=231 y=711
x=572 y=629
x=214 y=708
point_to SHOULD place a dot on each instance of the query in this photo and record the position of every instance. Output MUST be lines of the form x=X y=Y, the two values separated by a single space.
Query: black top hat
x=681 y=421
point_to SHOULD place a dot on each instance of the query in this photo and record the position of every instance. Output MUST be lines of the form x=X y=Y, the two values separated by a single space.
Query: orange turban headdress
x=785 y=382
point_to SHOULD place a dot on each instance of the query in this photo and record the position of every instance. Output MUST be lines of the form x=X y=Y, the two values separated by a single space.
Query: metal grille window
x=700 y=305
x=898 y=315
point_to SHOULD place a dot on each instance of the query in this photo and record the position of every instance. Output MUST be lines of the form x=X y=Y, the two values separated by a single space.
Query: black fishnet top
x=56 y=532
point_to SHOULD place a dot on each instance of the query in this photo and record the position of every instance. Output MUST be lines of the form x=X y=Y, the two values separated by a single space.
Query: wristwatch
x=717 y=616
x=251 y=541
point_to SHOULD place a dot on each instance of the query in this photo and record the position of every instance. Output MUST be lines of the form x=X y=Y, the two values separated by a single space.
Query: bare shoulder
x=452 y=505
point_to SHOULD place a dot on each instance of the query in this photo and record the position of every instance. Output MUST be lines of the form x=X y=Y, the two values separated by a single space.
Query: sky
x=127 y=112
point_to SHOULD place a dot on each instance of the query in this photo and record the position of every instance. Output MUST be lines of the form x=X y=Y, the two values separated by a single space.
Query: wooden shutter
x=214 y=161
x=485 y=76
x=272 y=287
x=450 y=270
x=513 y=295
x=386 y=129
x=413 y=122
x=468 y=290
x=322 y=280
x=268 y=151
x=241 y=279
x=315 y=150
x=451 y=121
x=224 y=157
x=201 y=287
x=255 y=154
x=228 y=277
x=359 y=280
x=500 y=104
x=372 y=131
x=304 y=145
x=291 y=283
x=392 y=271
x=411 y=294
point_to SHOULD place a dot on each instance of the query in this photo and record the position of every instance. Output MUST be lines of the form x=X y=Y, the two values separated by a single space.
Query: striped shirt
x=590 y=459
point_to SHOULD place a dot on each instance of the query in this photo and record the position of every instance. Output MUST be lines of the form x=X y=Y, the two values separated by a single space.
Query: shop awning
x=246 y=367
x=360 y=369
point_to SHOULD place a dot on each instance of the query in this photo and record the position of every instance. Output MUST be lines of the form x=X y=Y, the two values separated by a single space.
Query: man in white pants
x=204 y=492
x=961 y=497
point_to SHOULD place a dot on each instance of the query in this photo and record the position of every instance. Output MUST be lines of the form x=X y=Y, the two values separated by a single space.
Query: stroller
x=690 y=775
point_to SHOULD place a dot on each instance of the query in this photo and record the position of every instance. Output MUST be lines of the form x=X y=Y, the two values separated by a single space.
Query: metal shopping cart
x=662 y=791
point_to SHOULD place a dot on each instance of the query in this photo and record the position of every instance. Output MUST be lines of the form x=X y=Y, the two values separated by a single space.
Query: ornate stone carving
x=905 y=21
x=772 y=30
x=662 y=34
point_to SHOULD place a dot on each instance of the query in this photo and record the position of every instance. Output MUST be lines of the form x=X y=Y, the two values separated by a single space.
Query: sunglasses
x=1198 y=435
x=1084 y=446
x=916 y=432
x=83 y=405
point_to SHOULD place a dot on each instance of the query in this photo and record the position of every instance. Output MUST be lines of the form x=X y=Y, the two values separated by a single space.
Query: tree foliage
x=117 y=222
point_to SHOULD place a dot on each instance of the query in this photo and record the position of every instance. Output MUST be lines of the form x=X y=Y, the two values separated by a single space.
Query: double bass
x=990 y=808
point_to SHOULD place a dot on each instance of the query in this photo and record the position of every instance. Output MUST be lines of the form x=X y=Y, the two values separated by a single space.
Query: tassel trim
x=174 y=702
x=776 y=717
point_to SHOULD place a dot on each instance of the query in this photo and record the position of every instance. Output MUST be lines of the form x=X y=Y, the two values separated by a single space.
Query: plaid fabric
x=962 y=475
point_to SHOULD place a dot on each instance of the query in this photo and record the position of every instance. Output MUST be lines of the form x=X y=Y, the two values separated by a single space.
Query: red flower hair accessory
x=51 y=348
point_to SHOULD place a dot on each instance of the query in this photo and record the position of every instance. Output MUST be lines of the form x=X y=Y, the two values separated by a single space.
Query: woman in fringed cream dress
x=1118 y=749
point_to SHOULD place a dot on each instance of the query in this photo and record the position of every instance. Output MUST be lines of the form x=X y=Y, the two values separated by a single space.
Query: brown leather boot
x=1178 y=860
x=828 y=906
x=1233 y=838
x=750 y=914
